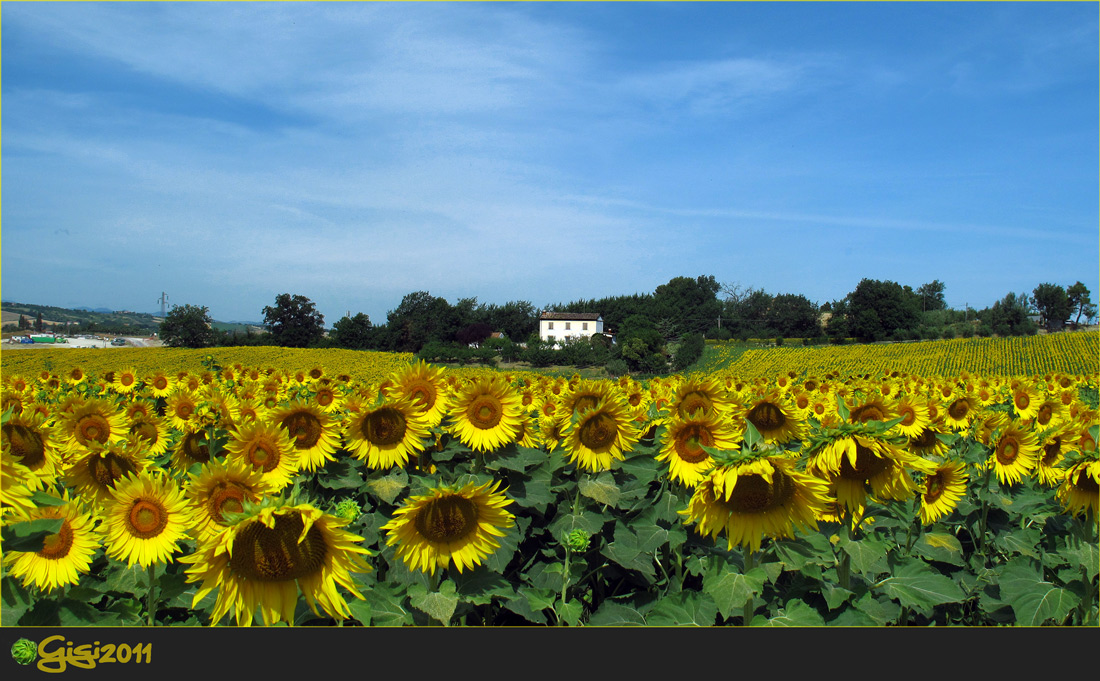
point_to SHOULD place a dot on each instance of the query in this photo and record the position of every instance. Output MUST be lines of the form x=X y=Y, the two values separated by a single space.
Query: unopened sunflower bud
x=24 y=651
x=347 y=509
x=577 y=540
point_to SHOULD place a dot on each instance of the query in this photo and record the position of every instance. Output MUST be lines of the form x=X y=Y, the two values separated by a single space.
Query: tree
x=187 y=326
x=1080 y=301
x=931 y=296
x=294 y=321
x=39 y=325
x=878 y=309
x=473 y=334
x=419 y=319
x=1053 y=304
x=354 y=333
x=688 y=305
x=1008 y=316
x=793 y=316
x=23 y=323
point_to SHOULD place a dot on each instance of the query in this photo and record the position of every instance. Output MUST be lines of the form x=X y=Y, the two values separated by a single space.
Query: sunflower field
x=273 y=487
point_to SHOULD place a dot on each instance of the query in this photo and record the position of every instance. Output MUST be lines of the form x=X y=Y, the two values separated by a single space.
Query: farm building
x=557 y=326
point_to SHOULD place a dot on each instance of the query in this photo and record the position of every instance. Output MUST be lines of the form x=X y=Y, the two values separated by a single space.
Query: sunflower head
x=458 y=525
x=485 y=414
x=64 y=555
x=601 y=435
x=147 y=517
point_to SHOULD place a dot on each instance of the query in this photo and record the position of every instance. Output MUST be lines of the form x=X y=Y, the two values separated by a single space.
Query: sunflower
x=17 y=486
x=1015 y=454
x=153 y=431
x=874 y=409
x=756 y=499
x=191 y=449
x=1053 y=445
x=146 y=519
x=180 y=408
x=92 y=423
x=926 y=443
x=449 y=524
x=1050 y=413
x=773 y=418
x=269 y=554
x=1025 y=401
x=31 y=442
x=941 y=491
x=959 y=412
x=124 y=381
x=485 y=414
x=586 y=394
x=95 y=474
x=160 y=384
x=552 y=431
x=268 y=449
x=424 y=384
x=600 y=435
x=64 y=556
x=1080 y=490
x=316 y=435
x=386 y=434
x=853 y=462
x=683 y=442
x=914 y=417
x=221 y=488
x=701 y=393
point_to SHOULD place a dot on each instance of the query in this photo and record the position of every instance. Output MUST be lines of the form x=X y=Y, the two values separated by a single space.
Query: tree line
x=652 y=331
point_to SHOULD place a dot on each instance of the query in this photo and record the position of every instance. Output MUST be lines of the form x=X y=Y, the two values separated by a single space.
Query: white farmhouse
x=557 y=326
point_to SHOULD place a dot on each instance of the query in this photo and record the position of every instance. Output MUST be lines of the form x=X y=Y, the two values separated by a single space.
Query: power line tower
x=163 y=300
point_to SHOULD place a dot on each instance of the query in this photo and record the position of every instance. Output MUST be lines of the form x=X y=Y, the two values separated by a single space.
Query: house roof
x=574 y=316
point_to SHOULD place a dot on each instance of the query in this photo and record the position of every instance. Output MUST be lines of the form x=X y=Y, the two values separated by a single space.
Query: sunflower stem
x=985 y=513
x=749 y=604
x=151 y=604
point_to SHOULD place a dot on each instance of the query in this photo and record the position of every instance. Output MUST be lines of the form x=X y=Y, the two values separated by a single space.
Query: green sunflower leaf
x=386 y=608
x=439 y=605
x=29 y=535
x=603 y=489
x=518 y=459
x=915 y=586
x=1085 y=555
x=795 y=614
x=868 y=556
x=683 y=609
x=1022 y=541
x=940 y=546
x=731 y=590
x=570 y=612
x=1034 y=601
x=41 y=498
x=612 y=614
x=388 y=488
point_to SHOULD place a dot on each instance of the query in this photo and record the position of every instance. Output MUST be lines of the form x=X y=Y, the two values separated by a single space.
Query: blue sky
x=352 y=153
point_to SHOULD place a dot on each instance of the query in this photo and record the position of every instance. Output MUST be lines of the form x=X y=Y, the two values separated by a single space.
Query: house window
x=550 y=325
x=567 y=326
x=584 y=326
x=549 y=339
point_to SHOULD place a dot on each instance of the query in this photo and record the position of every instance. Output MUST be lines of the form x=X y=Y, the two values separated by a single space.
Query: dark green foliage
x=187 y=326
x=1053 y=304
x=354 y=333
x=689 y=351
x=294 y=321
x=877 y=308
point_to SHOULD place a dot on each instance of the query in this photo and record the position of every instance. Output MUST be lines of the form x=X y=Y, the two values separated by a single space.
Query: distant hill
x=103 y=318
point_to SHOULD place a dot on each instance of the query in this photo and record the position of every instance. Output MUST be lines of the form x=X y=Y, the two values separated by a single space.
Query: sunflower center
x=160 y=383
x=934 y=487
x=194 y=449
x=274 y=554
x=927 y=438
x=959 y=409
x=694 y=401
x=767 y=417
x=147 y=518
x=448 y=519
x=262 y=455
x=599 y=432
x=867 y=412
x=868 y=464
x=227 y=497
x=126 y=379
x=690 y=442
x=26 y=444
x=184 y=410
x=754 y=494
x=585 y=402
x=908 y=416
x=1007 y=451
x=1052 y=451
x=108 y=468
x=145 y=430
x=385 y=427
x=92 y=428
x=423 y=394
x=304 y=427
x=1046 y=413
x=57 y=546
x=1085 y=483
x=485 y=412
x=325 y=398
x=1022 y=400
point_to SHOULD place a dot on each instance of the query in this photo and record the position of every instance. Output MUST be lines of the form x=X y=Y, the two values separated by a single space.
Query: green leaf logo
x=24 y=651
